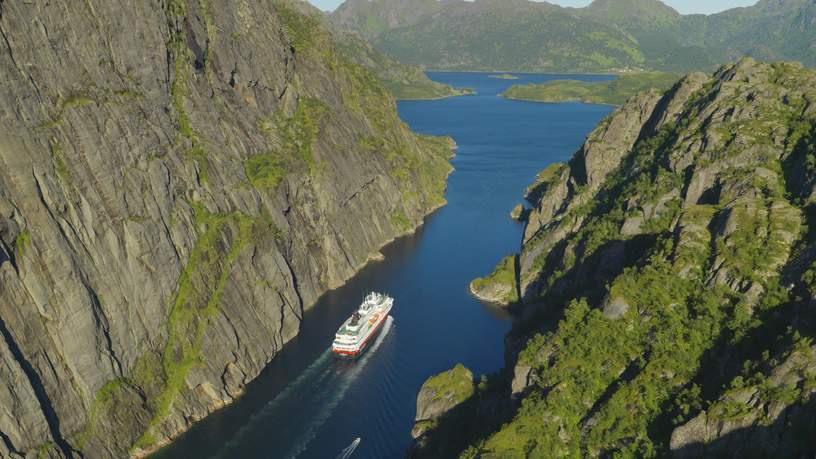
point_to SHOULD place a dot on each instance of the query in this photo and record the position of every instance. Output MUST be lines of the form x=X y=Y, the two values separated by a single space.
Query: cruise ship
x=359 y=330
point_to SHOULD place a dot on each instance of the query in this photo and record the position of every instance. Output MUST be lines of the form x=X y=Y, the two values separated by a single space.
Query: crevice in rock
x=234 y=72
x=56 y=219
x=103 y=324
x=234 y=330
x=13 y=61
x=292 y=275
x=7 y=254
x=5 y=438
x=281 y=322
x=356 y=193
x=342 y=247
x=37 y=386
x=8 y=43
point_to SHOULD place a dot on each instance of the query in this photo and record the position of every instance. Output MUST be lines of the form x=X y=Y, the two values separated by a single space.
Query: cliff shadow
x=725 y=360
x=476 y=418
x=587 y=278
x=790 y=435
x=473 y=421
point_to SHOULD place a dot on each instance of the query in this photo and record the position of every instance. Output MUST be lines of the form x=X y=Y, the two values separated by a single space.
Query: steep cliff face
x=666 y=280
x=179 y=181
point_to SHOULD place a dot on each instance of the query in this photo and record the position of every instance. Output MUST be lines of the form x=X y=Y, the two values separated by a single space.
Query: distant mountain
x=373 y=17
x=607 y=35
x=500 y=35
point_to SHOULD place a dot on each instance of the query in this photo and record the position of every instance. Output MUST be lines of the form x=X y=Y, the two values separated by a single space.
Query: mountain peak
x=645 y=8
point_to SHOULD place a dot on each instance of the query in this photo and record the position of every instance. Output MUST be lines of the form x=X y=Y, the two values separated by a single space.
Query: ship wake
x=306 y=404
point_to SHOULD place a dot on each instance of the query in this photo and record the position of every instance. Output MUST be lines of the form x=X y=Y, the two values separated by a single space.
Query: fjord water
x=306 y=404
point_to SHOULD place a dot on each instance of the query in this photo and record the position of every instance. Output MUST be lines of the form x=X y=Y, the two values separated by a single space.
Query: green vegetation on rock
x=22 y=242
x=402 y=81
x=504 y=76
x=500 y=286
x=665 y=257
x=198 y=299
x=605 y=36
x=455 y=385
x=614 y=92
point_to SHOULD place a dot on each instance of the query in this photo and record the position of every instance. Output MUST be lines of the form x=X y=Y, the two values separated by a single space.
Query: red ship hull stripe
x=365 y=342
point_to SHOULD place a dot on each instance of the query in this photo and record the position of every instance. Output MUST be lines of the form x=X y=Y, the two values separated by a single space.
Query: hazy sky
x=683 y=6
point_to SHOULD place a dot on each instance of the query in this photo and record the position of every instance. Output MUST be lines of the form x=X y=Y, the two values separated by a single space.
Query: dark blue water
x=307 y=405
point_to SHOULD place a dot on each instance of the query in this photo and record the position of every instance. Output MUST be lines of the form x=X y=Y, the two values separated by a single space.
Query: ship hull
x=351 y=354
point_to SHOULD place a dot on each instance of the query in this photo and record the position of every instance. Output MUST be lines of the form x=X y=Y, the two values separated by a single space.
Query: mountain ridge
x=604 y=36
x=666 y=285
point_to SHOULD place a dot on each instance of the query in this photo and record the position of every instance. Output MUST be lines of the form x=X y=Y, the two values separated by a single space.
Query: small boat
x=359 y=330
x=349 y=450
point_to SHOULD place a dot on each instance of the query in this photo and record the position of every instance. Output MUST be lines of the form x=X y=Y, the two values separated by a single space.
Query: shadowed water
x=306 y=404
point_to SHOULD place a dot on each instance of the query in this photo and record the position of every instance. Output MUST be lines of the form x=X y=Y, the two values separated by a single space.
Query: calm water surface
x=307 y=405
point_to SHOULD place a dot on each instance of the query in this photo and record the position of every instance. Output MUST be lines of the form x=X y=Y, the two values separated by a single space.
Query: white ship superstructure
x=357 y=332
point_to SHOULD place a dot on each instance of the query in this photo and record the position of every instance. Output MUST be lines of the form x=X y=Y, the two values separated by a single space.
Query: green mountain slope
x=373 y=17
x=401 y=80
x=505 y=35
x=667 y=283
x=607 y=35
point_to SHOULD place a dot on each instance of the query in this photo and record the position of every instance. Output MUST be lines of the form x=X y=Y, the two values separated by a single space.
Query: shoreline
x=526 y=72
x=578 y=101
x=450 y=96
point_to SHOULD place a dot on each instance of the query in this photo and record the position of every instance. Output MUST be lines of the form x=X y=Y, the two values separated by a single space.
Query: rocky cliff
x=666 y=281
x=179 y=181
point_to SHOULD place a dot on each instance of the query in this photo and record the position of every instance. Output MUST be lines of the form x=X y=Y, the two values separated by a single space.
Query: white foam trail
x=341 y=388
x=349 y=450
x=317 y=371
x=315 y=382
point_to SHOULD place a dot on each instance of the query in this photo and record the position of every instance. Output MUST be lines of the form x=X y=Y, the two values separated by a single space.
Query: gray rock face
x=764 y=425
x=438 y=398
x=178 y=183
x=553 y=217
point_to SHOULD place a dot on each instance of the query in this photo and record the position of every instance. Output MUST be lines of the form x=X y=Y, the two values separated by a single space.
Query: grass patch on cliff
x=544 y=180
x=107 y=395
x=455 y=384
x=186 y=134
x=302 y=29
x=197 y=301
x=22 y=242
x=299 y=133
x=400 y=221
x=293 y=139
x=264 y=171
x=58 y=156
x=503 y=277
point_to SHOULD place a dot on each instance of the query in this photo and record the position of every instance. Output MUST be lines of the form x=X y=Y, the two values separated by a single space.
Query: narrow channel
x=306 y=404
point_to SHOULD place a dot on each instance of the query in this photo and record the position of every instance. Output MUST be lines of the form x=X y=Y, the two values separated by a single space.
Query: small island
x=614 y=92
x=504 y=76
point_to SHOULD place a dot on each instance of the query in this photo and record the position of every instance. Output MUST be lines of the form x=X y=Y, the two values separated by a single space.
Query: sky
x=683 y=6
